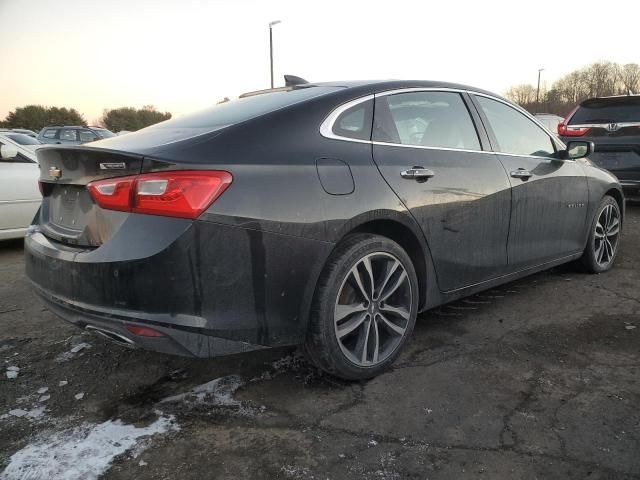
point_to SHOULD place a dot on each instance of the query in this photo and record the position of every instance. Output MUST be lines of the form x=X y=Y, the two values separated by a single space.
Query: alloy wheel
x=607 y=233
x=373 y=309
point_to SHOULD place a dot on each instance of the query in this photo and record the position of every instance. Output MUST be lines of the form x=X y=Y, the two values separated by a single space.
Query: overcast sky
x=183 y=55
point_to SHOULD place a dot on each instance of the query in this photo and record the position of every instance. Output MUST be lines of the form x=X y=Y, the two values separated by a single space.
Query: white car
x=19 y=193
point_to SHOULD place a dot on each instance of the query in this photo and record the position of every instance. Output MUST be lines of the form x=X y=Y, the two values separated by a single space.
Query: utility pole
x=538 y=91
x=271 y=24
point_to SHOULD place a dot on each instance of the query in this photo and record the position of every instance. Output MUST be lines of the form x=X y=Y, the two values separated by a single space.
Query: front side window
x=515 y=133
x=355 y=122
x=50 y=133
x=428 y=119
x=87 y=136
x=68 y=134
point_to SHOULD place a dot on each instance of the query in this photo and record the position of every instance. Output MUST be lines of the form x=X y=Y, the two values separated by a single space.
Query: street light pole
x=538 y=91
x=271 y=24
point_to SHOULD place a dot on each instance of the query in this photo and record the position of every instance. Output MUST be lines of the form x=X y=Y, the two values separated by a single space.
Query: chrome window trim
x=424 y=147
x=600 y=125
x=326 y=127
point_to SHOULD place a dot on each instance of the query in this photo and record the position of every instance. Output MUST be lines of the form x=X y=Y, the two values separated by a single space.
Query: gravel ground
x=536 y=379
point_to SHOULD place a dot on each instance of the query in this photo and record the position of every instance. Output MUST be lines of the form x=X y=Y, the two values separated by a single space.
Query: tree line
x=600 y=79
x=35 y=117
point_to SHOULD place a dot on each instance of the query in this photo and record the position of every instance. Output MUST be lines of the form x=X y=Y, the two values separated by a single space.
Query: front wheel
x=604 y=237
x=365 y=308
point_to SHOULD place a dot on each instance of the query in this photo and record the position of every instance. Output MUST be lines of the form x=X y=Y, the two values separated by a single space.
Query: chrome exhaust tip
x=112 y=336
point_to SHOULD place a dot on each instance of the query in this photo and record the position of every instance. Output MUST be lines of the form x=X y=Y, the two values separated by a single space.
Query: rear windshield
x=242 y=109
x=23 y=139
x=608 y=111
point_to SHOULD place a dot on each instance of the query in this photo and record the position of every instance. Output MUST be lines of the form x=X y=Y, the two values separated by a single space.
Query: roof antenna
x=292 y=81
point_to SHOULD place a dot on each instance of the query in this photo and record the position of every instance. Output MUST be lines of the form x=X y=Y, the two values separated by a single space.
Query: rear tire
x=364 y=308
x=604 y=237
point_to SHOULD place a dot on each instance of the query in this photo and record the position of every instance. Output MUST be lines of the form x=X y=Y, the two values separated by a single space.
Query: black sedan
x=324 y=215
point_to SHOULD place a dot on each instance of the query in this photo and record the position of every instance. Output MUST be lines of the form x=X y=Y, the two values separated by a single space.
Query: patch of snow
x=62 y=383
x=292 y=471
x=44 y=398
x=34 y=413
x=218 y=392
x=372 y=443
x=13 y=368
x=12 y=371
x=71 y=354
x=80 y=346
x=142 y=463
x=79 y=396
x=43 y=390
x=85 y=452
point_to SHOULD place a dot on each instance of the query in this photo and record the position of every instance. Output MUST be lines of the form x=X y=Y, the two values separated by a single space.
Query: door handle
x=522 y=173
x=417 y=173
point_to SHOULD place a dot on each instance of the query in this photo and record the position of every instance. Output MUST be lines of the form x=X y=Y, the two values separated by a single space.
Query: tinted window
x=87 y=136
x=49 y=133
x=104 y=133
x=607 y=110
x=515 y=132
x=355 y=122
x=430 y=119
x=242 y=109
x=23 y=139
x=67 y=134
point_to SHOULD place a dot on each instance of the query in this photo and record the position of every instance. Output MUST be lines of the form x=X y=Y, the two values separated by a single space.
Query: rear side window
x=429 y=119
x=68 y=134
x=516 y=133
x=355 y=122
x=607 y=110
x=243 y=109
x=50 y=133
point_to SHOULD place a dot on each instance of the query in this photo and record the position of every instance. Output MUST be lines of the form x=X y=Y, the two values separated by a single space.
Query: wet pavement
x=537 y=379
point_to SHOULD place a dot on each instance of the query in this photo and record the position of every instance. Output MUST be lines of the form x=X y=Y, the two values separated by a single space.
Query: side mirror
x=7 y=152
x=576 y=150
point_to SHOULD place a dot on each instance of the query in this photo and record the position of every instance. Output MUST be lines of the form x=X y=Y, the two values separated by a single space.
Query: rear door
x=549 y=196
x=429 y=151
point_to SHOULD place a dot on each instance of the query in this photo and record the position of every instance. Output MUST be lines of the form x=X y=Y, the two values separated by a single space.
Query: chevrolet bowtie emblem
x=55 y=173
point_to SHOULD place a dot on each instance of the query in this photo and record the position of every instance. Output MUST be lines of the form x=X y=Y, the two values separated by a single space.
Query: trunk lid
x=68 y=214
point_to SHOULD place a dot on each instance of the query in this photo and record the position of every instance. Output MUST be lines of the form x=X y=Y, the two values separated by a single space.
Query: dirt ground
x=538 y=379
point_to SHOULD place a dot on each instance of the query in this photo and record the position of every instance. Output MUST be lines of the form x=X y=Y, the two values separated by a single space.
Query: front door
x=429 y=151
x=549 y=196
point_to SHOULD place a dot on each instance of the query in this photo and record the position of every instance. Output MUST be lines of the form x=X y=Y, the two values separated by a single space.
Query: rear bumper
x=112 y=324
x=211 y=289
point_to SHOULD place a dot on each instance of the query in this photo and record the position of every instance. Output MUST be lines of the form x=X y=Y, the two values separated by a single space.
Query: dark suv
x=72 y=134
x=613 y=124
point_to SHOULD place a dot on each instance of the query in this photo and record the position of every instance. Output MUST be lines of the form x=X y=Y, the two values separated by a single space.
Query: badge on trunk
x=113 y=166
x=55 y=173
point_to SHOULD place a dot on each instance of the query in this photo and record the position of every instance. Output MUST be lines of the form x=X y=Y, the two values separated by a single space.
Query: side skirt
x=446 y=297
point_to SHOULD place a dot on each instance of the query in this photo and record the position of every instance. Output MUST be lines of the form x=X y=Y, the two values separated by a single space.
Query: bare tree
x=629 y=77
x=522 y=94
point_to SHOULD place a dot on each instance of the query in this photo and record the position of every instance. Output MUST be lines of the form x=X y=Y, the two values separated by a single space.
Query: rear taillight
x=180 y=193
x=569 y=131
